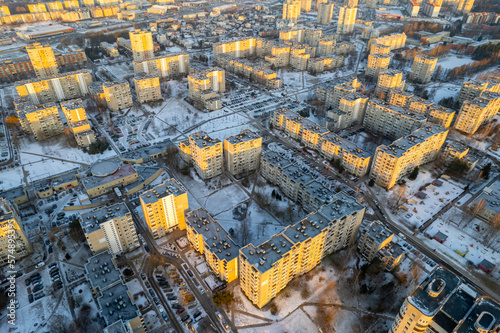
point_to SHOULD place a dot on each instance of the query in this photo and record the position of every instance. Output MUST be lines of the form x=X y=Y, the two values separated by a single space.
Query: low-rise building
x=242 y=152
x=110 y=49
x=491 y=198
x=110 y=228
x=397 y=160
x=164 y=207
x=209 y=238
x=147 y=88
x=117 y=95
x=104 y=176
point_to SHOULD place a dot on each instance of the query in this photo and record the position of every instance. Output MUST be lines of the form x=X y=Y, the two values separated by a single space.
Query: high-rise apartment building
x=347 y=18
x=168 y=66
x=242 y=152
x=373 y=238
x=441 y=303
x=326 y=45
x=43 y=121
x=464 y=6
x=205 y=153
x=142 y=45
x=266 y=269
x=392 y=79
x=422 y=68
x=325 y=13
x=432 y=8
x=11 y=229
x=147 y=88
x=291 y=10
x=380 y=48
x=117 y=95
x=390 y=120
x=79 y=125
x=164 y=207
x=397 y=160
x=377 y=63
x=351 y=110
x=472 y=89
x=394 y=41
x=110 y=229
x=64 y=86
x=204 y=86
x=305 y=5
x=209 y=238
x=478 y=111
x=42 y=59
x=238 y=48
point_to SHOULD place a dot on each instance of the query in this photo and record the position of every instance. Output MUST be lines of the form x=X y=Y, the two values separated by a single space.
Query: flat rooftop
x=308 y=228
x=202 y=139
x=13 y=193
x=434 y=291
x=264 y=256
x=123 y=171
x=319 y=191
x=90 y=221
x=485 y=314
x=115 y=305
x=101 y=270
x=378 y=232
x=276 y=159
x=491 y=196
x=155 y=149
x=245 y=135
x=165 y=189
x=296 y=174
x=216 y=238
x=342 y=205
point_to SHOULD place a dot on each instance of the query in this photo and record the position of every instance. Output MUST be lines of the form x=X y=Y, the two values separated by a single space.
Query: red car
x=181 y=310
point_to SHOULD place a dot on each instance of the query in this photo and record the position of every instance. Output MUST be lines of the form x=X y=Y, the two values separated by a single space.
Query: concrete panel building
x=373 y=238
x=117 y=95
x=169 y=66
x=291 y=10
x=351 y=110
x=43 y=121
x=377 y=63
x=43 y=60
x=76 y=119
x=142 y=45
x=242 y=152
x=422 y=68
x=10 y=228
x=347 y=18
x=110 y=229
x=325 y=13
x=164 y=207
x=209 y=238
x=147 y=88
x=205 y=153
x=392 y=79
x=476 y=112
x=204 y=86
x=397 y=160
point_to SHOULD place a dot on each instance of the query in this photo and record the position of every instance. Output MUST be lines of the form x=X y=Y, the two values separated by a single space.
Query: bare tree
x=244 y=232
x=494 y=229
x=398 y=196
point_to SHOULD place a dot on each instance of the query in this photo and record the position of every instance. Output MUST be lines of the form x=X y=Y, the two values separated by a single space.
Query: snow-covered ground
x=451 y=61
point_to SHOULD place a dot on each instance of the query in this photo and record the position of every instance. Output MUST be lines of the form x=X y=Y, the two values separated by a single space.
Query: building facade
x=43 y=121
x=476 y=112
x=392 y=79
x=325 y=13
x=242 y=152
x=347 y=18
x=147 y=88
x=291 y=10
x=164 y=207
x=165 y=66
x=10 y=228
x=142 y=45
x=204 y=86
x=117 y=95
x=76 y=120
x=205 y=153
x=110 y=229
x=43 y=60
x=377 y=63
x=422 y=68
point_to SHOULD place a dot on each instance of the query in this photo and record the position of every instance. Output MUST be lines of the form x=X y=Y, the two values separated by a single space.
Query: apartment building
x=347 y=18
x=394 y=41
x=398 y=97
x=142 y=45
x=168 y=66
x=391 y=121
x=57 y=88
x=310 y=37
x=110 y=49
x=377 y=63
x=393 y=162
x=422 y=68
x=440 y=115
x=431 y=8
x=326 y=46
x=380 y=49
x=11 y=229
x=117 y=95
x=325 y=63
x=291 y=10
x=325 y=13
x=352 y=158
x=280 y=56
x=392 y=79
x=266 y=269
x=299 y=58
x=457 y=150
x=237 y=48
x=209 y=238
x=272 y=165
x=373 y=238
x=242 y=152
x=480 y=110
x=413 y=7
x=147 y=88
x=259 y=74
x=110 y=228
x=76 y=120
x=472 y=89
x=204 y=86
x=331 y=95
x=305 y=5
x=464 y=6
x=43 y=60
x=351 y=110
x=43 y=121
x=205 y=153
x=164 y=207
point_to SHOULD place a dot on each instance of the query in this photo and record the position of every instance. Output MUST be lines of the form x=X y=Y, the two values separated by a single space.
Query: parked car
x=179 y=311
x=30 y=298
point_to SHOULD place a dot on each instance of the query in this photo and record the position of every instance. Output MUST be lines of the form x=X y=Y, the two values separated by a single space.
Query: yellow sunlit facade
x=242 y=152
x=10 y=228
x=42 y=59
